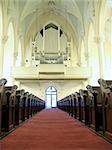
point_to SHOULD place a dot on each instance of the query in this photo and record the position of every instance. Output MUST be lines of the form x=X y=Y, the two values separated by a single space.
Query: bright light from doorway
x=51 y=97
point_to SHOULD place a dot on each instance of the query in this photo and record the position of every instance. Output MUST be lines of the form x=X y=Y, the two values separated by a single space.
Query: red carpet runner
x=53 y=129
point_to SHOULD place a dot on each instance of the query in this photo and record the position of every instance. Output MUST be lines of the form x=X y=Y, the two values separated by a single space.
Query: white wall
x=64 y=87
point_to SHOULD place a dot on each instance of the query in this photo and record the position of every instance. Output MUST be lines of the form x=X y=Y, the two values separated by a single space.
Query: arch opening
x=51 y=97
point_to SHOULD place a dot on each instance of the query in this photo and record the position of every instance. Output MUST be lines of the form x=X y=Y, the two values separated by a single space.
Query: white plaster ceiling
x=26 y=13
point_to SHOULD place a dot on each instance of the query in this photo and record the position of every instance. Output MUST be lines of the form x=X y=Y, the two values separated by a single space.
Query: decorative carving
x=91 y=95
x=22 y=92
x=25 y=94
x=83 y=92
x=14 y=88
x=102 y=83
x=3 y=81
x=51 y=4
x=90 y=90
x=18 y=93
x=107 y=92
x=105 y=88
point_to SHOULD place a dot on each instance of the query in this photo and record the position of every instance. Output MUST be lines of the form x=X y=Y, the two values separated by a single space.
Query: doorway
x=51 y=97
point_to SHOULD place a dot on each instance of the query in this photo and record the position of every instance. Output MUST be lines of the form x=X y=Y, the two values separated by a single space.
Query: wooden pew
x=29 y=106
x=17 y=108
x=32 y=104
x=70 y=105
x=21 y=107
x=78 y=106
x=95 y=108
x=84 y=106
x=106 y=91
x=64 y=104
x=2 y=89
x=74 y=105
x=8 y=108
x=83 y=101
x=109 y=82
x=12 y=99
x=37 y=104
x=40 y=104
x=26 y=105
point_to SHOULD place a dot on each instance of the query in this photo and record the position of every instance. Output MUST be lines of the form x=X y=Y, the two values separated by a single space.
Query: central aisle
x=53 y=129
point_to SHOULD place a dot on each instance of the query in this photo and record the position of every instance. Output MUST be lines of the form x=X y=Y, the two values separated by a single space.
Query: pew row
x=106 y=91
x=92 y=106
x=16 y=106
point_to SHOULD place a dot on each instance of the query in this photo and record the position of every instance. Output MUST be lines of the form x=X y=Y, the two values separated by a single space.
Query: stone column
x=3 y=42
x=86 y=52
x=59 y=38
x=69 y=53
x=43 y=39
x=22 y=53
x=30 y=57
x=100 y=40
x=15 y=55
x=86 y=59
x=111 y=44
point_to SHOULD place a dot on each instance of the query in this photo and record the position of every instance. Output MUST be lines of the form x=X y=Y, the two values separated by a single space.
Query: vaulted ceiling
x=28 y=16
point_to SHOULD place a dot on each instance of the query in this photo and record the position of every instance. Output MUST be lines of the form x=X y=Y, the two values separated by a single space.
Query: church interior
x=55 y=74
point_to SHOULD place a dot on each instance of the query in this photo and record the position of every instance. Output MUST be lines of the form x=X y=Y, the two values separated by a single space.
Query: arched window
x=51 y=97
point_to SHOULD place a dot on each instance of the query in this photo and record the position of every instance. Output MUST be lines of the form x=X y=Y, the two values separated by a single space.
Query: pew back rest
x=99 y=96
